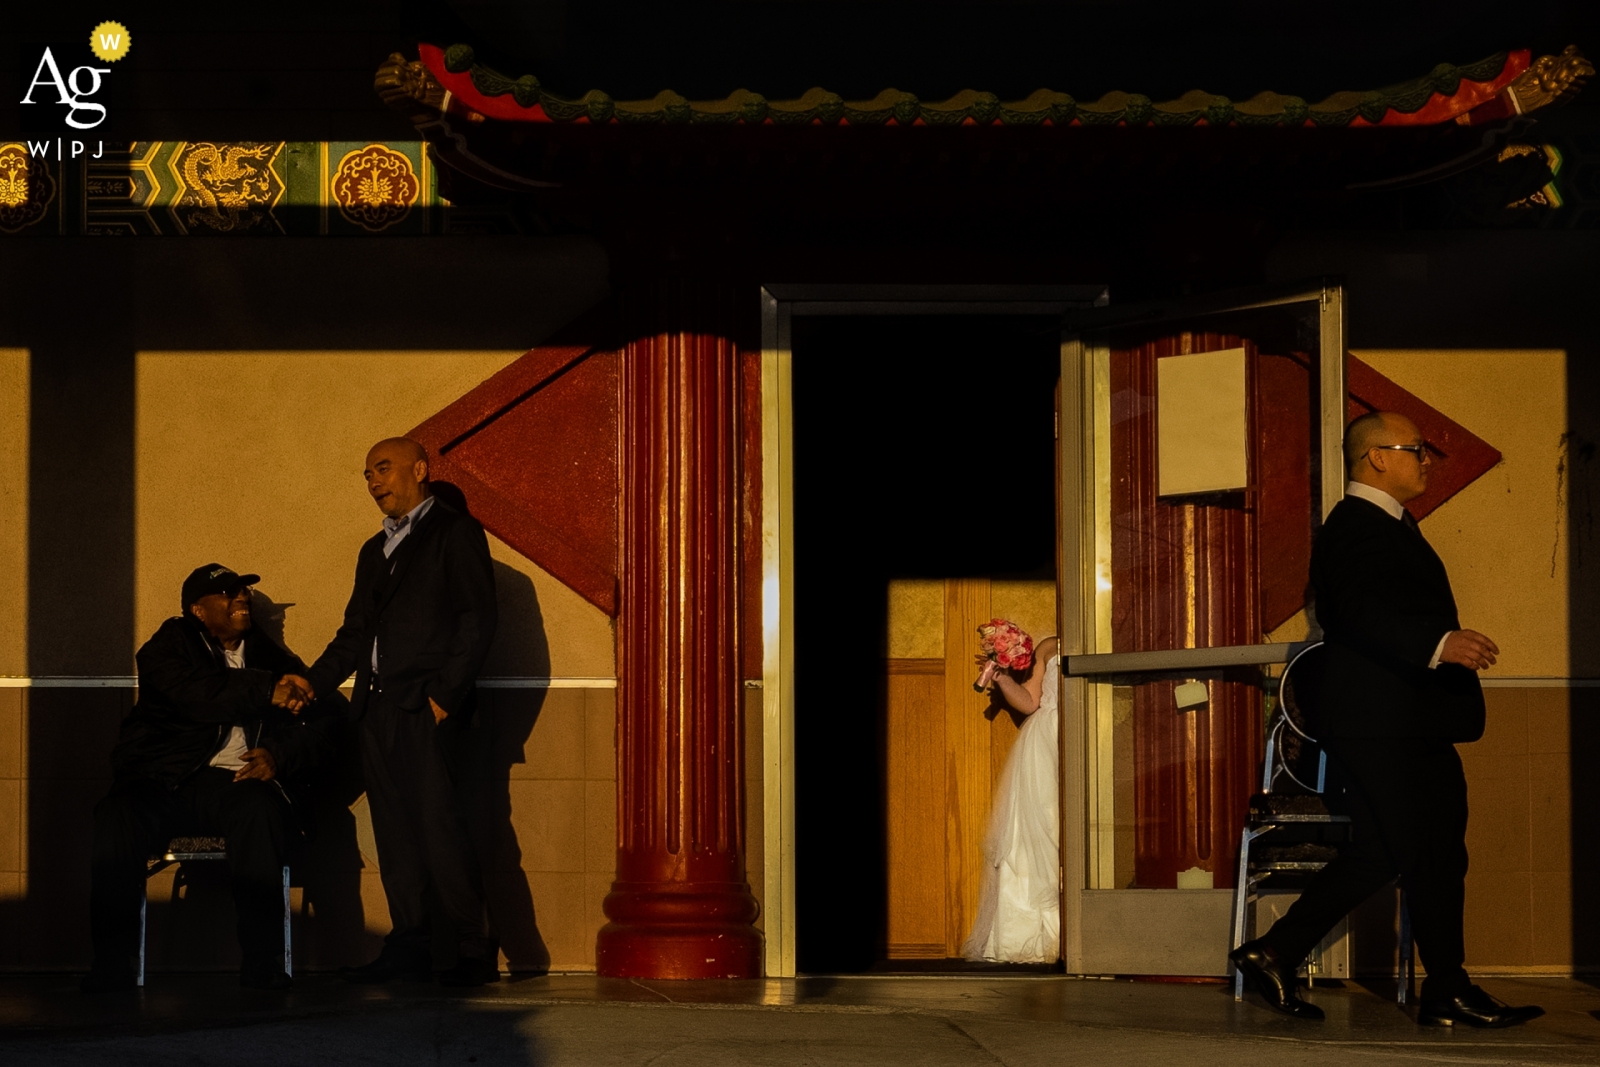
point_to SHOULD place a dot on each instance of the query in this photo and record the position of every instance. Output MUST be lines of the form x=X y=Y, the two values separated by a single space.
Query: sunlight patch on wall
x=14 y=442
x=254 y=459
x=1504 y=538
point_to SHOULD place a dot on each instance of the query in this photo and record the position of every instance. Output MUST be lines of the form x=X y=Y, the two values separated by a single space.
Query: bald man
x=1398 y=691
x=415 y=634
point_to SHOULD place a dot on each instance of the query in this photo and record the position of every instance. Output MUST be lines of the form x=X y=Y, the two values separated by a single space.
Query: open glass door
x=1200 y=447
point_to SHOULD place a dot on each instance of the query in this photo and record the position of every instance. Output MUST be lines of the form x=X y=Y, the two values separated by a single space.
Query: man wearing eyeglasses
x=218 y=723
x=1399 y=690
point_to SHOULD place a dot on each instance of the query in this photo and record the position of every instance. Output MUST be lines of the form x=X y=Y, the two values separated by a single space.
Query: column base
x=692 y=931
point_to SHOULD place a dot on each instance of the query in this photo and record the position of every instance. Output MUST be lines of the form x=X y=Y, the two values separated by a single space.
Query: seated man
x=216 y=729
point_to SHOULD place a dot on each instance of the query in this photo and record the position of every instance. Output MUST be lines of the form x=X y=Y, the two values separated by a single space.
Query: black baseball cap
x=213 y=578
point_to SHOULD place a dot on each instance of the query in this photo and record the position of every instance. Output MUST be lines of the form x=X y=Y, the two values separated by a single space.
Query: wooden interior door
x=945 y=749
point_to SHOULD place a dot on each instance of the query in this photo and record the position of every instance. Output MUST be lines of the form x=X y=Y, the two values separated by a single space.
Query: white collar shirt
x=1373 y=495
x=397 y=530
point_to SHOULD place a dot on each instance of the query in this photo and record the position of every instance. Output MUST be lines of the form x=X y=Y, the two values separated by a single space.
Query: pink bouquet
x=1006 y=645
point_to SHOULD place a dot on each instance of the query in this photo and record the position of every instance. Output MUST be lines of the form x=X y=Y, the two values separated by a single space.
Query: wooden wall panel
x=968 y=785
x=945 y=750
x=916 y=845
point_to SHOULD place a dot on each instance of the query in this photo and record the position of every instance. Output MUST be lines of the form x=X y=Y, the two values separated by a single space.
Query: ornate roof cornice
x=451 y=81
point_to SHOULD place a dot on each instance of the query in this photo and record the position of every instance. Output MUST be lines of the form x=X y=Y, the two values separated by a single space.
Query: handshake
x=292 y=693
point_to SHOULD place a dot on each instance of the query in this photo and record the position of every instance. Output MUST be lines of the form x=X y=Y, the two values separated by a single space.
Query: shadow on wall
x=504 y=721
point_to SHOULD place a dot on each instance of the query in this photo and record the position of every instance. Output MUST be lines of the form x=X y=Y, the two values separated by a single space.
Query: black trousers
x=1407 y=802
x=136 y=820
x=411 y=768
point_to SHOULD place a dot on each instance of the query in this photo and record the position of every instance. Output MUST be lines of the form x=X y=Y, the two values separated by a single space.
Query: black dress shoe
x=108 y=980
x=1475 y=1008
x=264 y=976
x=470 y=971
x=1277 y=984
x=389 y=967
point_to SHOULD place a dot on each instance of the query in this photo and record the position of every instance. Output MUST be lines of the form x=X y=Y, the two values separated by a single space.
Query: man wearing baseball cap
x=217 y=723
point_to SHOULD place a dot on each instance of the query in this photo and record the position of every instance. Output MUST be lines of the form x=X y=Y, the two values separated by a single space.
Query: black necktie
x=1410 y=521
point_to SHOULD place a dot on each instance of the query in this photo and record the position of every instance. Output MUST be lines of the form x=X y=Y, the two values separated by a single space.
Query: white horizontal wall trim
x=70 y=681
x=131 y=681
x=547 y=683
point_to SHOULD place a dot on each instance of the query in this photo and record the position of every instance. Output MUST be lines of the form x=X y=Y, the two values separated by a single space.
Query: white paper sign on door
x=1201 y=444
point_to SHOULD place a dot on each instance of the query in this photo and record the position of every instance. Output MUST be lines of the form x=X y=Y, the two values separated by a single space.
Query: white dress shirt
x=397 y=530
x=231 y=756
x=1396 y=511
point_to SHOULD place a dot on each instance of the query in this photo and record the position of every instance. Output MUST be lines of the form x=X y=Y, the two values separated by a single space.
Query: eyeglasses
x=1420 y=451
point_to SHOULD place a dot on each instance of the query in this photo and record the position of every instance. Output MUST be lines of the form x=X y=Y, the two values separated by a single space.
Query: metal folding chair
x=1271 y=811
x=1287 y=741
x=198 y=849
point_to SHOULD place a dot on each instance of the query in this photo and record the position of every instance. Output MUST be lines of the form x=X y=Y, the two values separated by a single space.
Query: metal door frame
x=779 y=306
x=1084 y=567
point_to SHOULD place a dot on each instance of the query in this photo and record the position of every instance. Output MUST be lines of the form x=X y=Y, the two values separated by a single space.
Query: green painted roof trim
x=1263 y=109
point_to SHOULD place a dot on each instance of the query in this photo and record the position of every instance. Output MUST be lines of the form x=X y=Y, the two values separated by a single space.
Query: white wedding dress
x=1019 y=910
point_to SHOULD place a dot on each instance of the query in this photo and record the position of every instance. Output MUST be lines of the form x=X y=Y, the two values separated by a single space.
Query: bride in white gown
x=1019 y=911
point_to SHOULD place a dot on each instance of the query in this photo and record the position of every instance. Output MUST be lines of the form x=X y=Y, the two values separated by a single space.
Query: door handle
x=1182 y=659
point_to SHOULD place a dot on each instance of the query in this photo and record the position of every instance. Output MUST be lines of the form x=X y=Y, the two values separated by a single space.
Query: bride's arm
x=1024 y=697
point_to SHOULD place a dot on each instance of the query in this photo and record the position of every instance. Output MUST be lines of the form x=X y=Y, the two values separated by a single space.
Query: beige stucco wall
x=254 y=459
x=1504 y=537
x=14 y=405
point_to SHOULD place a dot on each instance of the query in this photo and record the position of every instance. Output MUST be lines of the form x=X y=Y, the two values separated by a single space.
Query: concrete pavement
x=932 y=1021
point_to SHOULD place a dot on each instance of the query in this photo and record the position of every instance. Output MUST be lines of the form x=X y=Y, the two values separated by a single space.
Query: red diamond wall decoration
x=1461 y=457
x=534 y=452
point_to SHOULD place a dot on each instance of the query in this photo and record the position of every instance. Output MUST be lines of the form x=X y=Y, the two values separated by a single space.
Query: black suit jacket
x=189 y=699
x=431 y=607
x=1383 y=600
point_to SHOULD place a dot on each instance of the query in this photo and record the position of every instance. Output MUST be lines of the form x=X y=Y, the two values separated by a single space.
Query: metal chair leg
x=1408 y=969
x=144 y=900
x=1241 y=905
x=288 y=941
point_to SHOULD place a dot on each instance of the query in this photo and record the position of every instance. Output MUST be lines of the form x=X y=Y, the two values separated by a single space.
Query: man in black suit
x=415 y=634
x=1398 y=691
x=220 y=729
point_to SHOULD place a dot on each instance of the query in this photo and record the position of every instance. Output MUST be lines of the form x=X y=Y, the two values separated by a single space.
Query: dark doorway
x=923 y=448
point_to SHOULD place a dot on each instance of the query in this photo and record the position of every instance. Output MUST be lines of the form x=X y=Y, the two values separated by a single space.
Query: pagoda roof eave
x=1491 y=89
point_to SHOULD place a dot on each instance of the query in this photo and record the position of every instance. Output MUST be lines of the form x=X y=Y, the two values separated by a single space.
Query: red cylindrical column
x=681 y=906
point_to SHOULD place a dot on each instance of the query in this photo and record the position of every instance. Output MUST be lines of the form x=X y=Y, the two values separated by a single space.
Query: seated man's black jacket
x=189 y=699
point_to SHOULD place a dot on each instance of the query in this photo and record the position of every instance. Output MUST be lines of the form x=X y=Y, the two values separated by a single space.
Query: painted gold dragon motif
x=226 y=188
